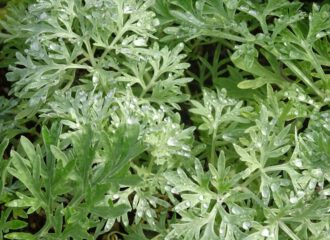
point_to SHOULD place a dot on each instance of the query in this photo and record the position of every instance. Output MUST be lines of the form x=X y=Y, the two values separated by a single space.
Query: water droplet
x=152 y=202
x=236 y=210
x=326 y=126
x=273 y=122
x=326 y=192
x=253 y=12
x=177 y=208
x=131 y=121
x=201 y=197
x=174 y=190
x=300 y=194
x=321 y=34
x=265 y=232
x=312 y=183
x=95 y=79
x=172 y=142
x=185 y=148
x=140 y=42
x=140 y=213
x=205 y=205
x=155 y=22
x=298 y=162
x=181 y=45
x=149 y=214
x=115 y=196
x=293 y=200
x=265 y=192
x=301 y=98
x=310 y=17
x=320 y=184
x=35 y=46
x=246 y=225
x=274 y=187
x=128 y=9
x=244 y=8
x=187 y=203
x=317 y=173
x=222 y=230
x=43 y=16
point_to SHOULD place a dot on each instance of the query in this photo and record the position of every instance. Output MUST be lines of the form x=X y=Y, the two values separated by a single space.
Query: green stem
x=224 y=35
x=296 y=71
x=151 y=164
x=90 y=52
x=114 y=41
x=288 y=231
x=303 y=77
x=150 y=84
x=214 y=138
x=316 y=64
x=282 y=167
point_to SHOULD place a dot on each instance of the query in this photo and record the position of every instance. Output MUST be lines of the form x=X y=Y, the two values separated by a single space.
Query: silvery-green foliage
x=94 y=45
x=221 y=118
x=282 y=40
x=165 y=119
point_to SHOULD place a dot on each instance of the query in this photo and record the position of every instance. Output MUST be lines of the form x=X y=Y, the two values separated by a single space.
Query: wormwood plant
x=165 y=119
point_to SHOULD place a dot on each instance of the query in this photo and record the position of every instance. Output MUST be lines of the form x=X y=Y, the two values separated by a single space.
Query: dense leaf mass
x=165 y=119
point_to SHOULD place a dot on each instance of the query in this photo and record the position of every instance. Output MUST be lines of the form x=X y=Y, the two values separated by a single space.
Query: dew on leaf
x=174 y=190
x=312 y=183
x=265 y=232
x=317 y=173
x=140 y=213
x=253 y=12
x=115 y=196
x=246 y=225
x=293 y=200
x=140 y=42
x=128 y=9
x=274 y=187
x=148 y=213
x=300 y=194
x=172 y=142
x=236 y=210
x=298 y=162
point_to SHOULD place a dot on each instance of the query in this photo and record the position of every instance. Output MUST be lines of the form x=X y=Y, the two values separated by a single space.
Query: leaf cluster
x=165 y=119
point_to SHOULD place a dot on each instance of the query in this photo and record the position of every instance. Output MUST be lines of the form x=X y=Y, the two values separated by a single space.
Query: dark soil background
x=4 y=84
